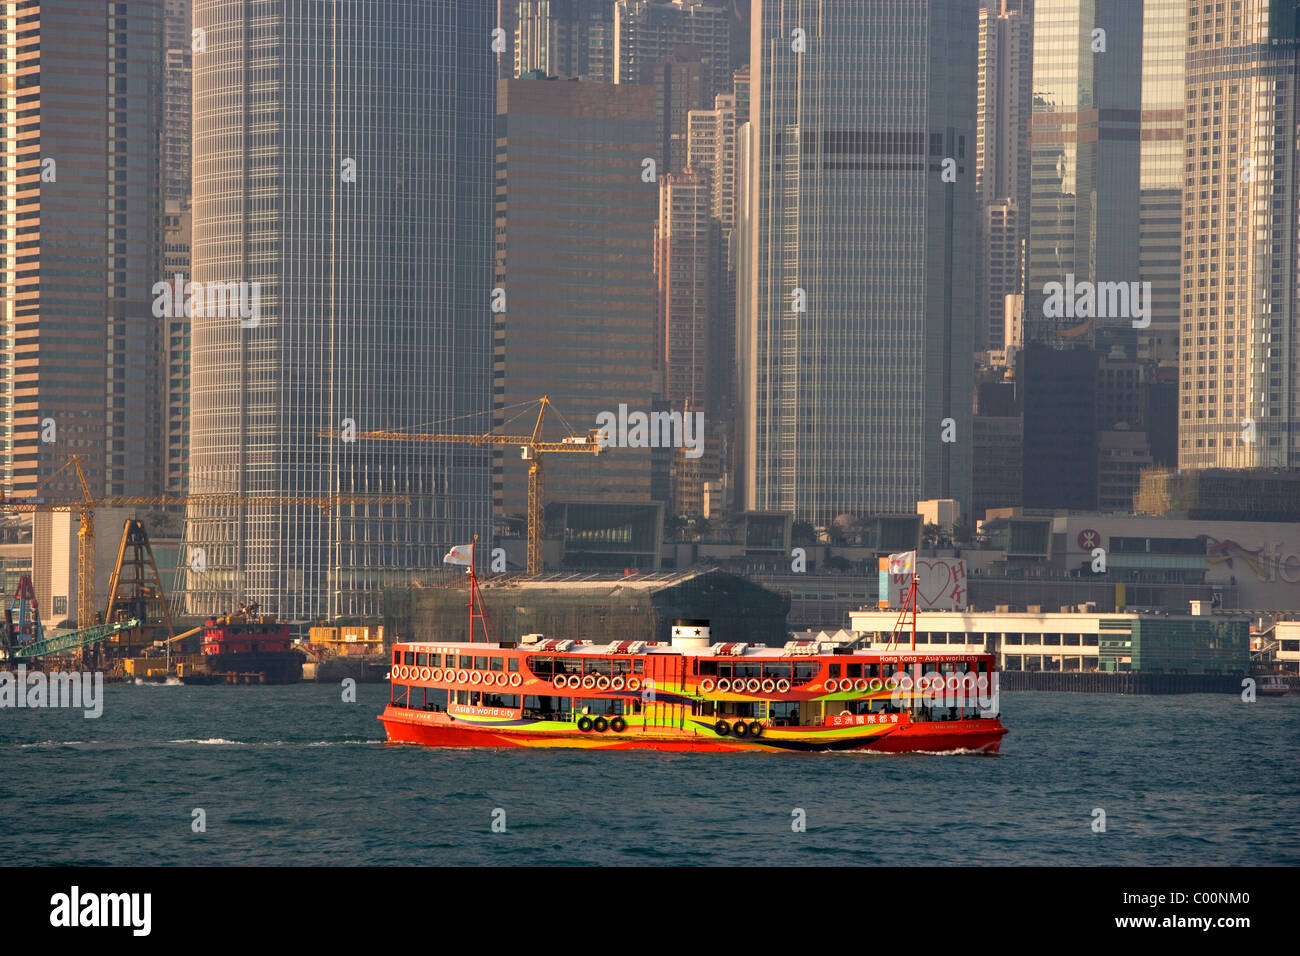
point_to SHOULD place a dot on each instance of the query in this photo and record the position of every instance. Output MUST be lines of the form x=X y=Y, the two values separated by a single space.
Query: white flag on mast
x=902 y=563
x=459 y=554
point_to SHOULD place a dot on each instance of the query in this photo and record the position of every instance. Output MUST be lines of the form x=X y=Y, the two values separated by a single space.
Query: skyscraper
x=343 y=163
x=570 y=39
x=858 y=319
x=1084 y=212
x=1004 y=97
x=1240 y=338
x=79 y=347
x=1164 y=51
x=647 y=31
x=175 y=334
x=575 y=222
x=687 y=251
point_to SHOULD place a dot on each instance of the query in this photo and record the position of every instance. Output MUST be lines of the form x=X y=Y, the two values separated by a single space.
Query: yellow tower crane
x=86 y=505
x=532 y=448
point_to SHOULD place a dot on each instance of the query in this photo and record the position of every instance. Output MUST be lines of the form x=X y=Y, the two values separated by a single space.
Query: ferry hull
x=437 y=729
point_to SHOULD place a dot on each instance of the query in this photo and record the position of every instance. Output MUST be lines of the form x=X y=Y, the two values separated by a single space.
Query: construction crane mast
x=86 y=505
x=532 y=449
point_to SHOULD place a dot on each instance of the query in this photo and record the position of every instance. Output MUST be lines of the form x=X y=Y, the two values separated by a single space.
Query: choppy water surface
x=295 y=775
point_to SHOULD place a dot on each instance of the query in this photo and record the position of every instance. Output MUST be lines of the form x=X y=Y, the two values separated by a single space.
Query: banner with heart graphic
x=940 y=585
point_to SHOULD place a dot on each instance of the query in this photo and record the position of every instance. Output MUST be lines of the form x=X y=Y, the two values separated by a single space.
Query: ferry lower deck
x=723 y=697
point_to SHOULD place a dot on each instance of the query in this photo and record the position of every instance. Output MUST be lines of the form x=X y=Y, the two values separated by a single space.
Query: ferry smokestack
x=691 y=633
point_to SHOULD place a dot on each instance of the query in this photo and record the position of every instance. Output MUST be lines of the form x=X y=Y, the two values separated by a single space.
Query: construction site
x=140 y=632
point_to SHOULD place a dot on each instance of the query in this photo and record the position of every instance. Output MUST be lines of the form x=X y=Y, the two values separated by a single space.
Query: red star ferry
x=689 y=694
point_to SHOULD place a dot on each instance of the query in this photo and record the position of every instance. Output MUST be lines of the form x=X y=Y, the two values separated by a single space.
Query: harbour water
x=295 y=775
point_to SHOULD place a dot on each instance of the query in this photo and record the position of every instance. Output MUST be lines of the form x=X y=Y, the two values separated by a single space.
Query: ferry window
x=397 y=657
x=777 y=671
x=724 y=669
x=622 y=666
x=804 y=672
x=638 y=666
x=855 y=670
x=543 y=667
x=924 y=639
x=466 y=661
x=512 y=664
x=747 y=670
x=834 y=669
x=409 y=657
x=480 y=663
x=495 y=664
x=421 y=660
x=435 y=660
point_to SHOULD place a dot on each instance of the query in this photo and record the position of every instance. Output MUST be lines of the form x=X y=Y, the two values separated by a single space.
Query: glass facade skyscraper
x=1239 y=400
x=859 y=311
x=343 y=158
x=1084 y=204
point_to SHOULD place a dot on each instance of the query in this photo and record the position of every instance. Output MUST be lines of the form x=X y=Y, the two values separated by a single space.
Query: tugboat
x=690 y=694
x=245 y=648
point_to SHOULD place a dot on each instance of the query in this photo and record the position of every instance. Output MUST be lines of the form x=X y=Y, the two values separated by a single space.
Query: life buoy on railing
x=634 y=683
x=753 y=684
x=462 y=677
x=923 y=683
x=782 y=686
x=891 y=683
x=708 y=684
x=769 y=685
x=476 y=677
x=589 y=682
x=905 y=682
x=832 y=685
x=574 y=682
x=724 y=684
x=560 y=682
x=516 y=679
x=617 y=683
x=426 y=674
x=602 y=682
x=399 y=672
x=876 y=684
x=437 y=675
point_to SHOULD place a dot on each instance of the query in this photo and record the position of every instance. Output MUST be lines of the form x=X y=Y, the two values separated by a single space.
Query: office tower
x=1084 y=207
x=645 y=32
x=507 y=21
x=175 y=333
x=1164 y=52
x=1060 y=426
x=1002 y=253
x=83 y=104
x=575 y=224
x=1239 y=400
x=570 y=39
x=681 y=81
x=1004 y=100
x=712 y=137
x=860 y=310
x=687 y=250
x=343 y=162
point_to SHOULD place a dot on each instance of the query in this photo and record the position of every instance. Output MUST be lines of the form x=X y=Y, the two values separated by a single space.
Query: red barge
x=690 y=694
